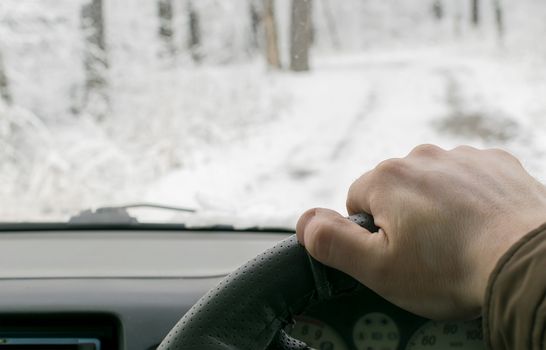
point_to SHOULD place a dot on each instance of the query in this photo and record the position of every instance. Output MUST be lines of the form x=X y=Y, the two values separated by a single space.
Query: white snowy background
x=242 y=143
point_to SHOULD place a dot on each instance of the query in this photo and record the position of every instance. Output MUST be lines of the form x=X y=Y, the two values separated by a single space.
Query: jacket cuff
x=514 y=314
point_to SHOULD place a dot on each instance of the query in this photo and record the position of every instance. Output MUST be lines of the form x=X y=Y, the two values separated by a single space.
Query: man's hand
x=446 y=217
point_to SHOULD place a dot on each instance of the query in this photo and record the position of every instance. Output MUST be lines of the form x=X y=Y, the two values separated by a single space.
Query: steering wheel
x=249 y=309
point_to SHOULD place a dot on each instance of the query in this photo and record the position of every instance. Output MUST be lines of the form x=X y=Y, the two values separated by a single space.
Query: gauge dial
x=317 y=334
x=376 y=331
x=448 y=335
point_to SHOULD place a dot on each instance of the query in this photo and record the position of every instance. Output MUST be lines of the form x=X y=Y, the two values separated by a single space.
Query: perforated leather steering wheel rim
x=249 y=309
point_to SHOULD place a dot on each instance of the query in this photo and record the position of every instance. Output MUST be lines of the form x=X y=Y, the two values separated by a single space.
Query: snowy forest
x=253 y=110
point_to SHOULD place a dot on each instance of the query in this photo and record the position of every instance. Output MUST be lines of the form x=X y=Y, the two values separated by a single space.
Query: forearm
x=515 y=301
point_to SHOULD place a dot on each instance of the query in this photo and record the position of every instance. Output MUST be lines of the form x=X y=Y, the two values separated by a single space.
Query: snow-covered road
x=350 y=113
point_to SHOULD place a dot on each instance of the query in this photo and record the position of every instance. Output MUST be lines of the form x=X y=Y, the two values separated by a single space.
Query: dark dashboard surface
x=59 y=331
x=371 y=323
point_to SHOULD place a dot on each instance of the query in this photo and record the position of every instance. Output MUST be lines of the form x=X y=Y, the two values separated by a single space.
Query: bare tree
x=166 y=31
x=271 y=36
x=457 y=18
x=95 y=57
x=438 y=10
x=300 y=35
x=499 y=17
x=475 y=12
x=5 y=94
x=331 y=23
x=255 y=21
x=194 y=40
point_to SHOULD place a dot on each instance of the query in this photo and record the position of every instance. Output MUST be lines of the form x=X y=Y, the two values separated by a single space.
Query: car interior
x=155 y=156
x=122 y=287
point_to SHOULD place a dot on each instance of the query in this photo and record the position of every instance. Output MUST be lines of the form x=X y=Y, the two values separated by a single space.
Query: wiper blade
x=155 y=206
x=117 y=218
x=119 y=214
x=128 y=227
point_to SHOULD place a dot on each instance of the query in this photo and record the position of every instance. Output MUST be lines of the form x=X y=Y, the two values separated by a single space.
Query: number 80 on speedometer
x=448 y=335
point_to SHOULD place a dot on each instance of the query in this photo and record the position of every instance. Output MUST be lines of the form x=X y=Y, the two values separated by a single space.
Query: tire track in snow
x=355 y=126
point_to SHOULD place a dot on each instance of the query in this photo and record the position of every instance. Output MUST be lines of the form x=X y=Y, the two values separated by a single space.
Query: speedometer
x=376 y=331
x=317 y=334
x=448 y=335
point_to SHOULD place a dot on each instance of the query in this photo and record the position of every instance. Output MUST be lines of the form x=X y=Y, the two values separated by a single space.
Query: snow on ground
x=248 y=146
x=352 y=112
x=243 y=144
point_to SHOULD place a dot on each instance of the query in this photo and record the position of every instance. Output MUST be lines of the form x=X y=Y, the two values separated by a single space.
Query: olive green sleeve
x=514 y=314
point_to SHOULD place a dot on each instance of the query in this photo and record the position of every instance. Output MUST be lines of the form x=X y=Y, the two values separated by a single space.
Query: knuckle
x=303 y=221
x=464 y=149
x=501 y=153
x=393 y=166
x=426 y=149
x=351 y=204
x=353 y=189
x=355 y=194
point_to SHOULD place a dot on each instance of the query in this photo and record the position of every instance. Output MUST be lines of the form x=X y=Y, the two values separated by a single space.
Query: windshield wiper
x=117 y=218
x=119 y=214
x=155 y=206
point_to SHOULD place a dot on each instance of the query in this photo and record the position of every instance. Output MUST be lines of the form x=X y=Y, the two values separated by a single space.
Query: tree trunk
x=95 y=58
x=166 y=31
x=475 y=16
x=5 y=94
x=194 y=42
x=438 y=10
x=499 y=18
x=458 y=18
x=271 y=36
x=255 y=20
x=331 y=24
x=300 y=35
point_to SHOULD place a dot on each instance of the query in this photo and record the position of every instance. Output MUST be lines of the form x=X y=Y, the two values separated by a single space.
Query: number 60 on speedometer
x=448 y=335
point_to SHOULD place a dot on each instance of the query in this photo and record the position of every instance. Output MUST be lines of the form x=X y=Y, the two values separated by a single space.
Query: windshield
x=252 y=111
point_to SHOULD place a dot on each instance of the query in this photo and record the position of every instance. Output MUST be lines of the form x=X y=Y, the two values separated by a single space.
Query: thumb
x=337 y=242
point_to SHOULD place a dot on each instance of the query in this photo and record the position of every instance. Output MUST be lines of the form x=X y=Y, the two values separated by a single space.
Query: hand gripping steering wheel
x=249 y=309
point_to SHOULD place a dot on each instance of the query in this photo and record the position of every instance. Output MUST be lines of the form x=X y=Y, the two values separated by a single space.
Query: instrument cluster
x=371 y=323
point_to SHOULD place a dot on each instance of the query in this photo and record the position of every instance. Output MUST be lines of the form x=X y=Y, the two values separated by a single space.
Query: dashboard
x=121 y=289
x=58 y=331
x=125 y=289
x=371 y=323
